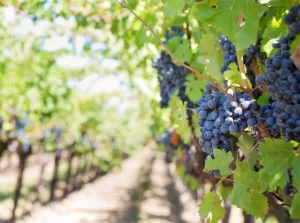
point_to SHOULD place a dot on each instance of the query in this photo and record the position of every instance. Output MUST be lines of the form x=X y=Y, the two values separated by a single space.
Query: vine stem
x=241 y=62
x=255 y=67
x=243 y=76
x=224 y=179
x=174 y=60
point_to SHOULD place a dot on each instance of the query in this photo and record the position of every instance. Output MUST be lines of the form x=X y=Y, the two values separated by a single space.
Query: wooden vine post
x=55 y=174
x=23 y=153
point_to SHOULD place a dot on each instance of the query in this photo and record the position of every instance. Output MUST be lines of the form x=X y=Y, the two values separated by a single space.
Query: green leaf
x=212 y=66
x=218 y=213
x=294 y=44
x=195 y=119
x=178 y=107
x=180 y=49
x=267 y=46
x=194 y=87
x=245 y=176
x=296 y=207
x=275 y=29
x=233 y=75
x=192 y=182
x=274 y=2
x=221 y=162
x=226 y=16
x=277 y=158
x=207 y=205
x=212 y=204
x=258 y=205
x=296 y=173
x=179 y=116
x=210 y=57
x=263 y=99
x=175 y=5
x=180 y=169
x=246 y=144
x=131 y=4
x=225 y=191
x=240 y=197
x=202 y=11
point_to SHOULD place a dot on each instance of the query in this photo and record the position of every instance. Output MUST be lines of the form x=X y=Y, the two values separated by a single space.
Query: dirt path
x=106 y=200
x=144 y=190
x=168 y=200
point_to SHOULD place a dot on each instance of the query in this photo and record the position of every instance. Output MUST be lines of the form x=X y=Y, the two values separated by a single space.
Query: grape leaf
x=175 y=5
x=295 y=44
x=258 y=205
x=194 y=87
x=275 y=29
x=211 y=58
x=296 y=173
x=221 y=162
x=245 y=176
x=267 y=47
x=202 y=11
x=212 y=66
x=225 y=191
x=211 y=204
x=192 y=182
x=296 y=207
x=240 y=197
x=180 y=169
x=218 y=213
x=263 y=99
x=207 y=205
x=179 y=116
x=274 y=2
x=226 y=16
x=233 y=75
x=180 y=49
x=131 y=4
x=277 y=158
x=245 y=143
x=178 y=107
x=195 y=118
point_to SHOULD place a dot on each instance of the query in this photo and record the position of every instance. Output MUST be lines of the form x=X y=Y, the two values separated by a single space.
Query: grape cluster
x=289 y=190
x=57 y=132
x=20 y=125
x=267 y=117
x=281 y=80
x=229 y=55
x=220 y=116
x=292 y=19
x=175 y=32
x=170 y=76
x=254 y=51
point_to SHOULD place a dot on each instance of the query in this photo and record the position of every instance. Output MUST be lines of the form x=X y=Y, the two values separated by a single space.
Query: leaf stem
x=243 y=75
x=174 y=60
